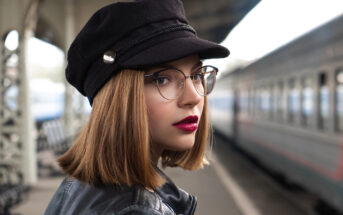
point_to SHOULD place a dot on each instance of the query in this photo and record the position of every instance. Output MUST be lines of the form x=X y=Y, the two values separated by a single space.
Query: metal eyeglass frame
x=154 y=76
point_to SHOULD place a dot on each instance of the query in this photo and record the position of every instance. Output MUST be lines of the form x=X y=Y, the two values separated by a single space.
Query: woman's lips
x=187 y=127
x=189 y=124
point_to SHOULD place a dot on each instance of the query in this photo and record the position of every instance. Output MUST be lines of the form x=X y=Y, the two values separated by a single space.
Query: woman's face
x=173 y=123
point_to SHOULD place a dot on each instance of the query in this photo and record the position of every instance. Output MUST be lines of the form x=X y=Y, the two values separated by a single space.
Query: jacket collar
x=179 y=200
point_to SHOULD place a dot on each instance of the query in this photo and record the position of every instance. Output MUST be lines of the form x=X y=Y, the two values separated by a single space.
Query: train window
x=265 y=100
x=279 y=100
x=272 y=97
x=293 y=100
x=339 y=100
x=249 y=101
x=240 y=100
x=246 y=101
x=222 y=100
x=243 y=101
x=306 y=100
x=260 y=100
x=252 y=101
x=257 y=101
x=275 y=101
x=323 y=101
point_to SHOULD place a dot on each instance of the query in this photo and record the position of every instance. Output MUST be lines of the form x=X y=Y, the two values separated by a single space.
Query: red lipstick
x=188 y=124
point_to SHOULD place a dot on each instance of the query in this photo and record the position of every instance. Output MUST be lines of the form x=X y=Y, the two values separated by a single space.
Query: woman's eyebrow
x=198 y=64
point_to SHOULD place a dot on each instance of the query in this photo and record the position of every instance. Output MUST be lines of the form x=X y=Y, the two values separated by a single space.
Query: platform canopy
x=212 y=19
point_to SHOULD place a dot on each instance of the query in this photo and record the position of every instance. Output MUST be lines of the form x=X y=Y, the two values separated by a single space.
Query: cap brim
x=175 y=49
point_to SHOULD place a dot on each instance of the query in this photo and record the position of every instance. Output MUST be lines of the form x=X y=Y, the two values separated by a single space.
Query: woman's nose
x=189 y=97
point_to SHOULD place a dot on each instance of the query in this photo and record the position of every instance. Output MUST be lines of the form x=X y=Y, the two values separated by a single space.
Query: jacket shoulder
x=58 y=199
x=75 y=197
x=147 y=202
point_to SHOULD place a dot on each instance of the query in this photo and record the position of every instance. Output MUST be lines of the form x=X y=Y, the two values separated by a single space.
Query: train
x=286 y=110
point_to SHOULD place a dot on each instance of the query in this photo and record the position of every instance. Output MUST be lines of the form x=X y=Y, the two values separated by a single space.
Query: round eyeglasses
x=170 y=82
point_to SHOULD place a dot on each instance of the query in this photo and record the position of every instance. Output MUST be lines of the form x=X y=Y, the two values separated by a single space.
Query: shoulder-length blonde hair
x=113 y=147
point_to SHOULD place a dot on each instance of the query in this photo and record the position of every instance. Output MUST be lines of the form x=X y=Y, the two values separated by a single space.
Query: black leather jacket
x=76 y=198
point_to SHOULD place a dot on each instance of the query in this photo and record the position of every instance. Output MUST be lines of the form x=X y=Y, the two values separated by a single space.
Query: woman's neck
x=155 y=154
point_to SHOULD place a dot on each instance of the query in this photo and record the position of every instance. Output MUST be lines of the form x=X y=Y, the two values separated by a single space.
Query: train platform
x=211 y=195
x=230 y=185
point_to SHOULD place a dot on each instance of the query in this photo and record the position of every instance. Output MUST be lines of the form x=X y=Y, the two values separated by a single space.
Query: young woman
x=140 y=65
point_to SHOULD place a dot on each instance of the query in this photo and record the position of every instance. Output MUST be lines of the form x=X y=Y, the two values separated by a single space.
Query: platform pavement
x=230 y=185
x=205 y=184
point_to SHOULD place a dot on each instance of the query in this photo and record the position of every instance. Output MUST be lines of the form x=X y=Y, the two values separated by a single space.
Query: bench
x=52 y=141
x=12 y=189
x=53 y=137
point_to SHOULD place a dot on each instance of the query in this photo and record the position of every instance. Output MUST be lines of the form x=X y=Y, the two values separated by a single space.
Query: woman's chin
x=182 y=146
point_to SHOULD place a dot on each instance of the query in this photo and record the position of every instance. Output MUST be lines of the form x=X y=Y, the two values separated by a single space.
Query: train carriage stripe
x=336 y=175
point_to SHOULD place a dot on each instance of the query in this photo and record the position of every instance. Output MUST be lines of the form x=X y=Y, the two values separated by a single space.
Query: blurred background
x=277 y=109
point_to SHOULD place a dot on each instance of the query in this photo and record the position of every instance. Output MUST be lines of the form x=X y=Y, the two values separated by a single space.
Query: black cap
x=133 y=35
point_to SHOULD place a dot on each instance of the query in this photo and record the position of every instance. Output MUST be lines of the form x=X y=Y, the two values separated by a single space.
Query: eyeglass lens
x=171 y=82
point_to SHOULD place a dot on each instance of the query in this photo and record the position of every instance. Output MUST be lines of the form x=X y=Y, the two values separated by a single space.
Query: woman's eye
x=161 y=80
x=197 y=77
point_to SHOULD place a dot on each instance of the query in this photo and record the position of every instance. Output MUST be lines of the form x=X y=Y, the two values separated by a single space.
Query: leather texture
x=74 y=198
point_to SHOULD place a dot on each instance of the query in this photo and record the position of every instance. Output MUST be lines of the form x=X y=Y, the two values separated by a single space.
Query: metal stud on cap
x=109 y=57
